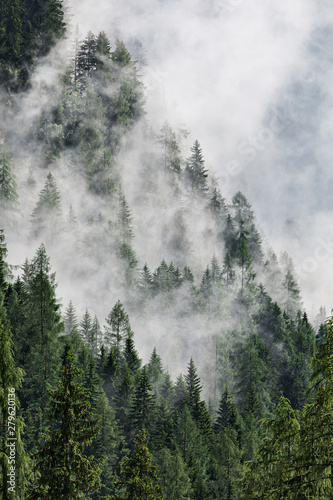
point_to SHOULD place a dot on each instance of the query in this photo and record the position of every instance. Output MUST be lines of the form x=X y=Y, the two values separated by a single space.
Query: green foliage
x=62 y=470
x=118 y=328
x=8 y=193
x=143 y=404
x=195 y=172
x=37 y=337
x=138 y=477
x=12 y=453
x=48 y=208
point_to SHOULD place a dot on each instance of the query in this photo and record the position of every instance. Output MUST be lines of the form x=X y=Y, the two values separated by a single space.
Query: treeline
x=91 y=418
x=108 y=409
x=28 y=31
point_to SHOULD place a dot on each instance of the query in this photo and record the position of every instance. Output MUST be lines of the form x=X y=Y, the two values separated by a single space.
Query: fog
x=251 y=82
x=222 y=70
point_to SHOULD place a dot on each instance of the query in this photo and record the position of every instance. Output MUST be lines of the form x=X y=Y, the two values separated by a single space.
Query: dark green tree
x=62 y=470
x=43 y=324
x=138 y=477
x=143 y=404
x=228 y=273
x=14 y=462
x=118 y=328
x=44 y=22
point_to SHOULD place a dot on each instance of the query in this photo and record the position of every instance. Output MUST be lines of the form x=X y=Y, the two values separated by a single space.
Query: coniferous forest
x=183 y=364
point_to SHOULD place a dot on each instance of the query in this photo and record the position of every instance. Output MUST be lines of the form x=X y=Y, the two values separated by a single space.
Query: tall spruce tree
x=8 y=193
x=62 y=470
x=139 y=478
x=48 y=208
x=14 y=463
x=118 y=328
x=42 y=326
x=143 y=404
x=195 y=172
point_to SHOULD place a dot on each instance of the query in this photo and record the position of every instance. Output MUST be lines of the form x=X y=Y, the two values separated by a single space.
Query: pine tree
x=155 y=368
x=46 y=22
x=138 y=477
x=145 y=283
x=125 y=221
x=70 y=319
x=143 y=404
x=206 y=286
x=171 y=152
x=62 y=470
x=244 y=259
x=244 y=221
x=13 y=460
x=118 y=328
x=125 y=106
x=227 y=415
x=197 y=407
x=3 y=264
x=195 y=172
x=273 y=473
x=173 y=474
x=131 y=356
x=87 y=59
x=94 y=338
x=10 y=40
x=43 y=323
x=292 y=300
x=72 y=221
x=47 y=210
x=85 y=326
x=8 y=193
x=103 y=50
x=228 y=273
x=315 y=451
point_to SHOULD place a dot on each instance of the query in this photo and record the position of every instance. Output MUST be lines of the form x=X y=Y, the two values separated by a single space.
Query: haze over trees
x=233 y=399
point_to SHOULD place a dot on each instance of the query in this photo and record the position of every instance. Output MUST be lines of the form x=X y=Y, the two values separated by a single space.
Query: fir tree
x=47 y=210
x=14 y=463
x=118 y=328
x=143 y=404
x=87 y=59
x=70 y=319
x=46 y=22
x=244 y=259
x=85 y=326
x=292 y=299
x=62 y=470
x=43 y=323
x=138 y=477
x=195 y=172
x=171 y=152
x=8 y=194
x=228 y=273
x=125 y=220
x=94 y=338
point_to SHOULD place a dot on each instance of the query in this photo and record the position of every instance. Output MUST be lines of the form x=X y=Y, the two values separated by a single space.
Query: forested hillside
x=182 y=364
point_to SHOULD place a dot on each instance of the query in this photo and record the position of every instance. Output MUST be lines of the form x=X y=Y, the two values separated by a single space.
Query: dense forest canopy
x=234 y=397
